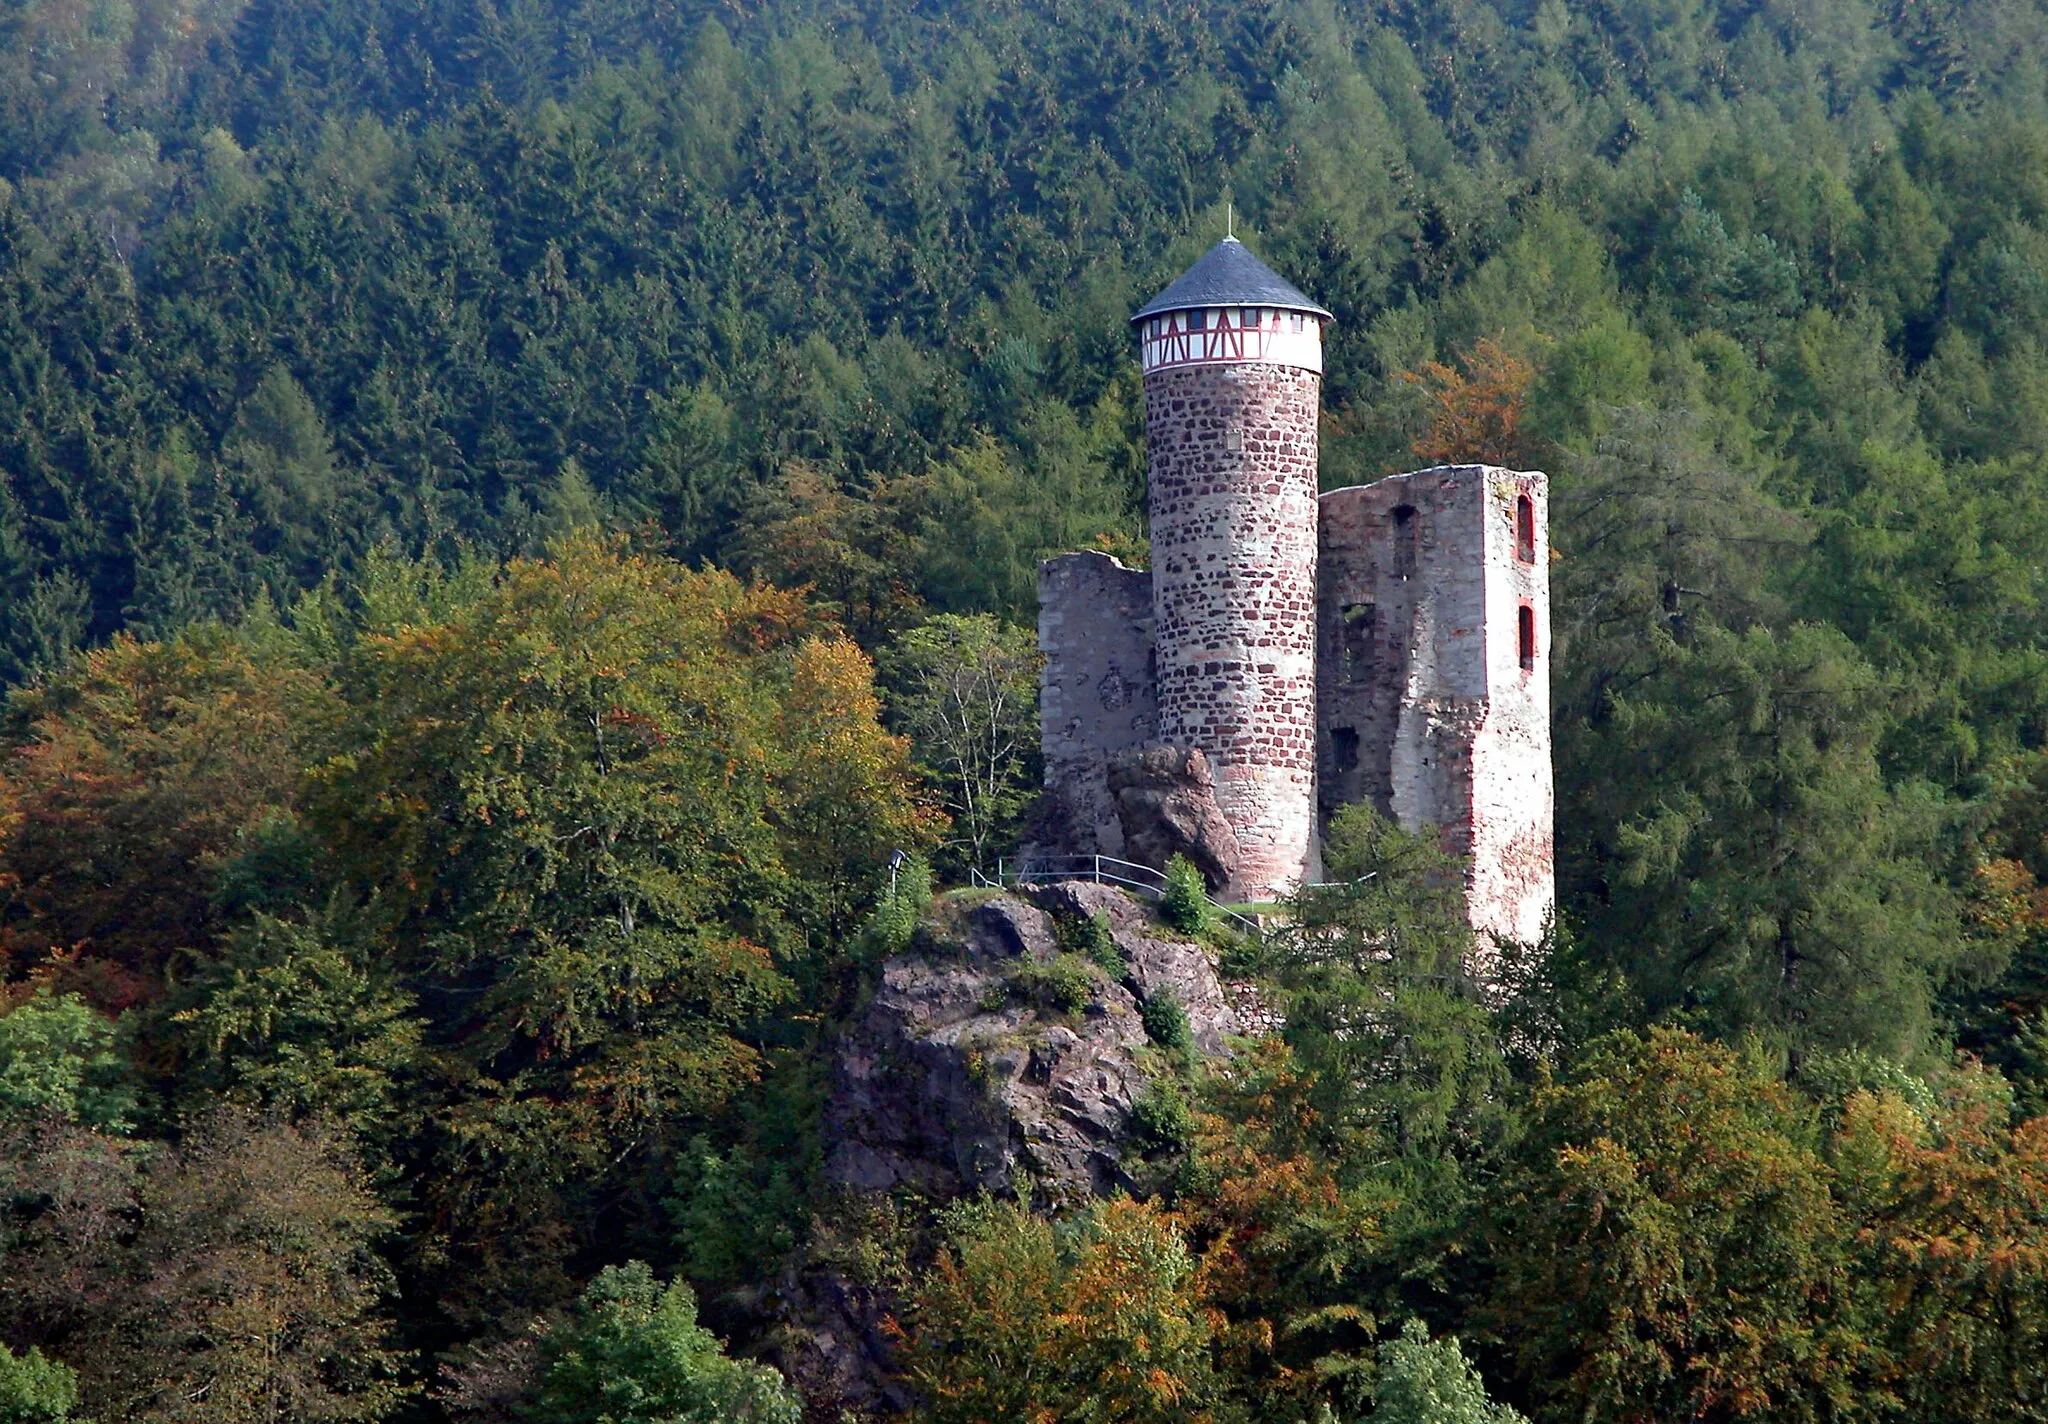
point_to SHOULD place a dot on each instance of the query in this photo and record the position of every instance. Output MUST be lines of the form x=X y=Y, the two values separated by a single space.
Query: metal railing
x=1103 y=869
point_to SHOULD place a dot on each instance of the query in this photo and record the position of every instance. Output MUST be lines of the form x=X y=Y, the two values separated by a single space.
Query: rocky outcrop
x=1153 y=964
x=1166 y=800
x=962 y=1077
x=992 y=1058
x=837 y=1347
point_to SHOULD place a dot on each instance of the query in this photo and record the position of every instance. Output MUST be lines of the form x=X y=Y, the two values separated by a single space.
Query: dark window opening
x=1525 y=636
x=1525 y=529
x=1195 y=320
x=1360 y=641
x=1404 y=540
x=1344 y=743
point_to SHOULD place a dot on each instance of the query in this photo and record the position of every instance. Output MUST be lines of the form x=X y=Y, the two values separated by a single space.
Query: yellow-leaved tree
x=605 y=807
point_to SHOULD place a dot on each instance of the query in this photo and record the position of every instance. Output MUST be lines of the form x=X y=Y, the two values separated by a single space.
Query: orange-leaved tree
x=1097 y=1317
x=125 y=778
x=1475 y=413
x=1293 y=1245
x=1952 y=1246
x=1668 y=1245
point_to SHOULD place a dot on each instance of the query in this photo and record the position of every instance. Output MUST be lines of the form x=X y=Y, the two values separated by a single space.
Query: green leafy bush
x=1166 y=1022
x=1424 y=1381
x=733 y=1211
x=35 y=1390
x=1186 y=905
x=901 y=904
x=1163 y=1119
x=57 y=1061
x=1065 y=983
x=635 y=1354
x=1092 y=939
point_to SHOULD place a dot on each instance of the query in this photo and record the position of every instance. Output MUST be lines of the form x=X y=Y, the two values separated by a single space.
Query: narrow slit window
x=1404 y=541
x=1525 y=636
x=1525 y=529
x=1360 y=642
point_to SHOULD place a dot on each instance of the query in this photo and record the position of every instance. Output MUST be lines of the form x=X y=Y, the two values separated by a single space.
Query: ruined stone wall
x=1233 y=518
x=1096 y=692
x=1513 y=883
x=1424 y=707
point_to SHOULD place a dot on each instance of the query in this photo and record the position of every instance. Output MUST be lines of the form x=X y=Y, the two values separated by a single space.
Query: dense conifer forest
x=512 y=512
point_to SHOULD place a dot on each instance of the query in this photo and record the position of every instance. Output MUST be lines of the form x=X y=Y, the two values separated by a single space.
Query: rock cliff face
x=1166 y=800
x=998 y=1063
x=991 y=1057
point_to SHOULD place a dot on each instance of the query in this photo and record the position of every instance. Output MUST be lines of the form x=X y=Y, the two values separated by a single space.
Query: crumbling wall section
x=1402 y=647
x=1097 y=693
x=1513 y=882
x=1429 y=586
x=1233 y=518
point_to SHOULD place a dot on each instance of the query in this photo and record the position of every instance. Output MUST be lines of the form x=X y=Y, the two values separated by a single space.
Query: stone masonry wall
x=1233 y=518
x=1513 y=884
x=1096 y=692
x=1424 y=707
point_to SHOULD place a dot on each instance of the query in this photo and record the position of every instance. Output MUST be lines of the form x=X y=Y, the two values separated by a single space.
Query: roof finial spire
x=1230 y=221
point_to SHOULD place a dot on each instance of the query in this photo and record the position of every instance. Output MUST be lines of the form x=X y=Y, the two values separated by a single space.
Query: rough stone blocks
x=1433 y=673
x=1233 y=518
x=1096 y=693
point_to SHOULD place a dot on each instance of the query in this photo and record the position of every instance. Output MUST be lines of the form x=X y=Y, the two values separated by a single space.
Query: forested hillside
x=504 y=505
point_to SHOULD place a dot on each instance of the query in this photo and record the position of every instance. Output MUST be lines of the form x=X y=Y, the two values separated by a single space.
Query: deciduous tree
x=1669 y=1247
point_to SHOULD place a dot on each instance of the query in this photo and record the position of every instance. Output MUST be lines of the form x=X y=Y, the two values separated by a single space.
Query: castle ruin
x=1293 y=651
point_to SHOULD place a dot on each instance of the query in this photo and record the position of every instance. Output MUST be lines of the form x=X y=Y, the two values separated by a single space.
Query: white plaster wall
x=1513 y=885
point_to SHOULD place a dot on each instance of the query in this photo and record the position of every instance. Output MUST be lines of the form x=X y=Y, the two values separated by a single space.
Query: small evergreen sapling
x=1424 y=1381
x=1166 y=1022
x=1185 y=906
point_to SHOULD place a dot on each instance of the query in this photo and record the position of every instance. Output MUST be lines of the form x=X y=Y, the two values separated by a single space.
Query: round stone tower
x=1233 y=359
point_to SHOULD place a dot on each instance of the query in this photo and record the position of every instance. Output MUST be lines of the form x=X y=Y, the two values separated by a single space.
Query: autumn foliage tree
x=1476 y=408
x=1099 y=1317
x=233 y=1277
x=1668 y=1245
x=1951 y=1246
x=125 y=779
x=602 y=809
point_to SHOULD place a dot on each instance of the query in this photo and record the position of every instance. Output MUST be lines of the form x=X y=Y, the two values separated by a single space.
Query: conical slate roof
x=1229 y=276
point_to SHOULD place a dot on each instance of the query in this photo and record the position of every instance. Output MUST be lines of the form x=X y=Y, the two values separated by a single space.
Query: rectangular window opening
x=1360 y=641
x=1525 y=636
x=1404 y=541
x=1344 y=744
x=1525 y=529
